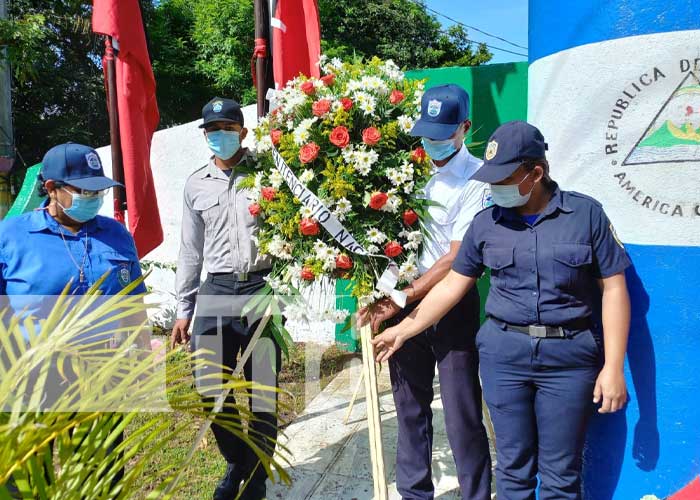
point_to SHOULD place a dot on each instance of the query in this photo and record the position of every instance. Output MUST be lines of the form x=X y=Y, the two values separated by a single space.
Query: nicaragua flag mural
x=615 y=89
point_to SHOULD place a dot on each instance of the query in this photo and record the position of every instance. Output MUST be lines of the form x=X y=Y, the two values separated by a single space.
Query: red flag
x=138 y=115
x=296 y=40
x=690 y=492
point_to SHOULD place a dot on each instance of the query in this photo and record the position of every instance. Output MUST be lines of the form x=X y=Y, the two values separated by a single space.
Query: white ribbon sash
x=388 y=280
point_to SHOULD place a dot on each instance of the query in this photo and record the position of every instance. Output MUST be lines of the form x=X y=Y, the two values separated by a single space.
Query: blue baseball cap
x=76 y=165
x=220 y=109
x=442 y=110
x=509 y=146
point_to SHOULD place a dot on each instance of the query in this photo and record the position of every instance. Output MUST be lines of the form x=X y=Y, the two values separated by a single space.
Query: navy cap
x=509 y=146
x=442 y=110
x=221 y=109
x=76 y=165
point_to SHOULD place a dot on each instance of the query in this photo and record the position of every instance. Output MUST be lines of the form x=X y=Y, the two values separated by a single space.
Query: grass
x=207 y=465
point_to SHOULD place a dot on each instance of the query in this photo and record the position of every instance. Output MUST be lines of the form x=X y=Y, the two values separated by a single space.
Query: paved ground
x=330 y=459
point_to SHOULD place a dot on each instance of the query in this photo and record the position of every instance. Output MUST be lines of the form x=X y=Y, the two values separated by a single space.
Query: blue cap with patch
x=442 y=110
x=221 y=109
x=509 y=146
x=76 y=165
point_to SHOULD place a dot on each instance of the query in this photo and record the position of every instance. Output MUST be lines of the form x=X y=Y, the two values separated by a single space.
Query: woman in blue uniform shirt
x=64 y=240
x=551 y=253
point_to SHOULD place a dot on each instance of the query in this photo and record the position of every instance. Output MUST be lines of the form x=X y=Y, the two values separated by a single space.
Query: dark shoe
x=227 y=489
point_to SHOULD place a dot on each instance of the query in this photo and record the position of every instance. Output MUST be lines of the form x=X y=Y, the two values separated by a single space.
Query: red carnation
x=393 y=249
x=418 y=155
x=309 y=152
x=321 y=107
x=307 y=273
x=308 y=87
x=371 y=136
x=308 y=227
x=347 y=103
x=396 y=97
x=328 y=80
x=378 y=200
x=410 y=217
x=340 y=136
x=254 y=209
x=275 y=135
x=268 y=193
x=343 y=261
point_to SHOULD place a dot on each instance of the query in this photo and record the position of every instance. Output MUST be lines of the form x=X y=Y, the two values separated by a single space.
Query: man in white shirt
x=443 y=124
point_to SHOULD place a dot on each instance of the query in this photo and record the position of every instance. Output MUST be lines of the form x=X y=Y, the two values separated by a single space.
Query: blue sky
x=505 y=18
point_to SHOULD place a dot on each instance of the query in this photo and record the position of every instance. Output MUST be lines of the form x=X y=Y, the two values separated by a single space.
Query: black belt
x=240 y=276
x=545 y=331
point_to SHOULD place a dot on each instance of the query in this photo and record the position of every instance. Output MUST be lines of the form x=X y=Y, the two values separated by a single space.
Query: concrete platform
x=330 y=459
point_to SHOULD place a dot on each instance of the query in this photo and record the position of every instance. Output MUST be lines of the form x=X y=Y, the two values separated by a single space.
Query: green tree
x=58 y=91
x=401 y=30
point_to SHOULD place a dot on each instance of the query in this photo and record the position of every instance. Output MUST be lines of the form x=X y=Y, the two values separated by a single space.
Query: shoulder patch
x=486 y=198
x=124 y=274
x=615 y=236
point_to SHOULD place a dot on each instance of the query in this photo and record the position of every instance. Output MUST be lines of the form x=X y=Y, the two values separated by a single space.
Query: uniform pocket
x=571 y=262
x=500 y=261
x=210 y=207
x=120 y=266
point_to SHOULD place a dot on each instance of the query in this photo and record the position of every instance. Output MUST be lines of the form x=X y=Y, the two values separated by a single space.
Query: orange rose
x=268 y=193
x=418 y=155
x=254 y=209
x=308 y=87
x=343 y=261
x=308 y=227
x=371 y=136
x=307 y=273
x=321 y=107
x=393 y=249
x=340 y=136
x=347 y=103
x=410 y=217
x=396 y=97
x=328 y=80
x=378 y=200
x=275 y=135
x=309 y=152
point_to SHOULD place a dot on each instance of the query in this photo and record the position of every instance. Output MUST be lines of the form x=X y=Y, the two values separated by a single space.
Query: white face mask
x=508 y=196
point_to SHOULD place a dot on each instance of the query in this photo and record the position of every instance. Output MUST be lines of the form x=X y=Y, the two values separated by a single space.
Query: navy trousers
x=539 y=393
x=227 y=337
x=450 y=344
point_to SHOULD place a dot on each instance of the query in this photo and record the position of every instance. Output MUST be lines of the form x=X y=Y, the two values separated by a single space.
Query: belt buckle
x=241 y=276
x=539 y=331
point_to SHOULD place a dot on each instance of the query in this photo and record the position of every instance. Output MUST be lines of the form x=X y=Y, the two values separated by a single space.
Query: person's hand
x=377 y=313
x=387 y=343
x=610 y=390
x=180 y=334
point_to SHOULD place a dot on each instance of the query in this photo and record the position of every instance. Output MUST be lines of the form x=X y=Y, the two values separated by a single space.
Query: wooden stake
x=376 y=447
x=354 y=395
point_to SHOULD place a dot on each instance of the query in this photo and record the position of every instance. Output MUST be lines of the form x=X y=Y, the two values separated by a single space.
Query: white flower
x=306 y=212
x=301 y=132
x=408 y=271
x=366 y=102
x=392 y=71
x=405 y=123
x=336 y=316
x=343 y=205
x=376 y=236
x=408 y=187
x=306 y=176
x=354 y=86
x=276 y=178
x=264 y=144
x=277 y=247
x=392 y=203
x=258 y=179
x=319 y=246
x=374 y=84
x=290 y=124
x=290 y=98
x=373 y=249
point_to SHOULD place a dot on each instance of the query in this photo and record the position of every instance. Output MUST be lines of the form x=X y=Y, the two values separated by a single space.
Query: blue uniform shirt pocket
x=571 y=264
x=123 y=270
x=500 y=261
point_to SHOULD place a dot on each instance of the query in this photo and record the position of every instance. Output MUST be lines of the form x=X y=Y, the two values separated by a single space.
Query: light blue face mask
x=224 y=143
x=439 y=150
x=509 y=196
x=83 y=208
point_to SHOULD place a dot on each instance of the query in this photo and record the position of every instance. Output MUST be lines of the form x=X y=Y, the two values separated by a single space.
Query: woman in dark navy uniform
x=551 y=253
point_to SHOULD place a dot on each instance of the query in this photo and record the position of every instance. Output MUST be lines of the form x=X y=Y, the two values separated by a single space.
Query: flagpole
x=115 y=138
x=261 y=54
